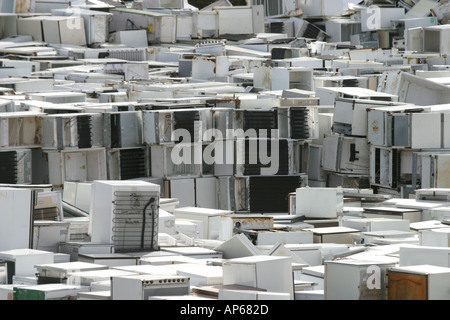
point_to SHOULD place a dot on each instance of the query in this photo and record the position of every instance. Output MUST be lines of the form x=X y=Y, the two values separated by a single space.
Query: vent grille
x=84 y=126
x=187 y=120
x=135 y=221
x=270 y=193
x=255 y=168
x=260 y=120
x=8 y=167
x=132 y=164
x=299 y=123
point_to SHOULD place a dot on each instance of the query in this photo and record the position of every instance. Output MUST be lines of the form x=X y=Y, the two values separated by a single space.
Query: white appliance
x=258 y=271
x=16 y=166
x=96 y=23
x=412 y=215
x=182 y=189
x=160 y=26
x=22 y=262
x=319 y=202
x=211 y=218
x=109 y=259
x=72 y=130
x=345 y=154
x=51 y=291
x=419 y=282
x=376 y=224
x=75 y=248
x=161 y=126
x=125 y=214
x=341 y=235
x=356 y=280
x=266 y=157
x=76 y=165
x=411 y=255
x=375 y=18
x=128 y=163
x=266 y=194
x=47 y=234
x=141 y=287
x=328 y=95
x=20 y=129
x=181 y=160
x=122 y=129
x=435 y=237
x=67 y=30
x=432 y=169
x=390 y=167
x=59 y=272
x=292 y=78
x=350 y=115
x=16 y=219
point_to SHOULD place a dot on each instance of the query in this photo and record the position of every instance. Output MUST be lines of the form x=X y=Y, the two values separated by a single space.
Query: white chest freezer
x=416 y=255
x=124 y=213
x=419 y=282
x=47 y=234
x=356 y=280
x=59 y=272
x=411 y=215
x=259 y=271
x=319 y=202
x=341 y=235
x=435 y=237
x=74 y=248
x=21 y=262
x=52 y=291
x=377 y=224
x=109 y=259
x=201 y=275
x=141 y=287
x=211 y=218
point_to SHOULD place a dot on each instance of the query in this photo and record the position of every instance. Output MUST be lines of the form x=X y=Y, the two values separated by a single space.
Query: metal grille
x=187 y=120
x=132 y=164
x=84 y=126
x=255 y=168
x=270 y=193
x=8 y=167
x=299 y=123
x=135 y=220
x=260 y=120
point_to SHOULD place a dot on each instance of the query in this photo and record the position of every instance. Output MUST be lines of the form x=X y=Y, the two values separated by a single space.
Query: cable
x=144 y=221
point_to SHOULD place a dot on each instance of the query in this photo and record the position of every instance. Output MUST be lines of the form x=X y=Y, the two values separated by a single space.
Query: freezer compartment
x=257 y=271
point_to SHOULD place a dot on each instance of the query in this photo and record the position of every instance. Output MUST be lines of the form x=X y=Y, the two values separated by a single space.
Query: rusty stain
x=375 y=126
x=23 y=6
